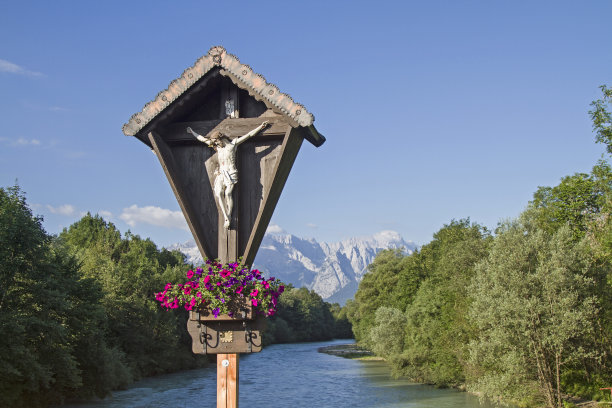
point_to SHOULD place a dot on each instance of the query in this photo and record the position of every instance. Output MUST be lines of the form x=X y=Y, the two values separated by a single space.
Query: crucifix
x=223 y=104
x=226 y=174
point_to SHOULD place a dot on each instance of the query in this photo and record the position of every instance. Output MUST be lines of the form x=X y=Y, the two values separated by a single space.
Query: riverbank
x=355 y=352
x=352 y=351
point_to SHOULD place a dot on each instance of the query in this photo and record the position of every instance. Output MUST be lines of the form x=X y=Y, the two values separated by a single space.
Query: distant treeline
x=78 y=316
x=302 y=315
x=524 y=314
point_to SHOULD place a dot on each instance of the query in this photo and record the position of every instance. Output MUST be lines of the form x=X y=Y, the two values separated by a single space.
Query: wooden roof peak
x=242 y=75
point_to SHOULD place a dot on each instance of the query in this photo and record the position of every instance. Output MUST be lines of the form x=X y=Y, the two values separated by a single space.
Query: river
x=290 y=375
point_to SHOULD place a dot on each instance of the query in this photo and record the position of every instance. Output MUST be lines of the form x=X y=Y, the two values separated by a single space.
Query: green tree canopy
x=602 y=118
x=535 y=311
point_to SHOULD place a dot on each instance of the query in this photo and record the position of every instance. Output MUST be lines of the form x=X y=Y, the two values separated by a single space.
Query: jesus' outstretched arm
x=200 y=137
x=252 y=133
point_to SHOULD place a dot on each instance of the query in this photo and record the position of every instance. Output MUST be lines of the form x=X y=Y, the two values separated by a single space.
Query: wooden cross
x=220 y=94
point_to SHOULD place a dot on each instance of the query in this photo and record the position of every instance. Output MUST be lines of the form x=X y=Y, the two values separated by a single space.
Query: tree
x=387 y=336
x=392 y=280
x=437 y=330
x=576 y=201
x=535 y=311
x=602 y=118
x=50 y=320
x=130 y=270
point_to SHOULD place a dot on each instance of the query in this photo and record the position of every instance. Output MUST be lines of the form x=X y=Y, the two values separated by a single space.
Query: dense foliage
x=302 y=315
x=78 y=313
x=523 y=315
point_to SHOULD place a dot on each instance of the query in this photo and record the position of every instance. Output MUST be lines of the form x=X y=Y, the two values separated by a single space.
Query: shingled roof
x=242 y=76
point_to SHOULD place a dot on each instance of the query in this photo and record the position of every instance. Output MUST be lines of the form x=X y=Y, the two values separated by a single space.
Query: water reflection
x=290 y=375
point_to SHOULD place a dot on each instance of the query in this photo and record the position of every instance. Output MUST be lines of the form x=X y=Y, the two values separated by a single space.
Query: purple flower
x=216 y=312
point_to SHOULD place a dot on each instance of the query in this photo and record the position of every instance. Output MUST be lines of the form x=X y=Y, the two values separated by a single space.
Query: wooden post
x=227 y=380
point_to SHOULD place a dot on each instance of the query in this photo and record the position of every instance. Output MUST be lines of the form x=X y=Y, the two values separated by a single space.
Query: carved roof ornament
x=242 y=75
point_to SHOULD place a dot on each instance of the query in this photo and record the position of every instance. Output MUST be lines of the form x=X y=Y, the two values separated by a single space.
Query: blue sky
x=433 y=111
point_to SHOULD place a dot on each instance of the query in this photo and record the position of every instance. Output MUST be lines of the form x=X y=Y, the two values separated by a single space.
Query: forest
x=79 y=318
x=522 y=314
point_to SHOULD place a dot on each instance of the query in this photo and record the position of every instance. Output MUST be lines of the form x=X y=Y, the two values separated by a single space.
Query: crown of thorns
x=218 y=136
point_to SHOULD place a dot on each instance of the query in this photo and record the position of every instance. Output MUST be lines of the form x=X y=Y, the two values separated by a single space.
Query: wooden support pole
x=227 y=380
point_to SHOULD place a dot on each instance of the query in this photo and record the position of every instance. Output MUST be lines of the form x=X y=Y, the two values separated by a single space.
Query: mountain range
x=333 y=270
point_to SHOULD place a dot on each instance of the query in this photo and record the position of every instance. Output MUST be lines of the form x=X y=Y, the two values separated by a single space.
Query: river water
x=290 y=375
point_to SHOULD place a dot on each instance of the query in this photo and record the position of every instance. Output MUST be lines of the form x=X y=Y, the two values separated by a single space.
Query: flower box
x=227 y=306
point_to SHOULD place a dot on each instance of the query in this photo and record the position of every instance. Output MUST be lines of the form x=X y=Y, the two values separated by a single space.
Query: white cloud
x=65 y=209
x=311 y=225
x=160 y=217
x=39 y=107
x=20 y=141
x=25 y=142
x=275 y=229
x=105 y=214
x=11 y=68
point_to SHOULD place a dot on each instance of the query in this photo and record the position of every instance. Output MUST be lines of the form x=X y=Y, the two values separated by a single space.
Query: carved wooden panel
x=257 y=162
x=213 y=337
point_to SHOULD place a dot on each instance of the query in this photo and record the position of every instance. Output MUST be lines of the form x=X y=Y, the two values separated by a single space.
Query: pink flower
x=189 y=274
x=207 y=279
x=254 y=293
x=254 y=302
x=239 y=291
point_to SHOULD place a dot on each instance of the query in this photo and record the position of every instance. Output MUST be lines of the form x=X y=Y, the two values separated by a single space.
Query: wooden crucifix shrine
x=226 y=140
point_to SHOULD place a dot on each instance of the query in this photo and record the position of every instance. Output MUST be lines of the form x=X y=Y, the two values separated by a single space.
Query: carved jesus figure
x=226 y=175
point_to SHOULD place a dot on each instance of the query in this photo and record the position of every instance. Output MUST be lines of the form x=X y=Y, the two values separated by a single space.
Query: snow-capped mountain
x=333 y=270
